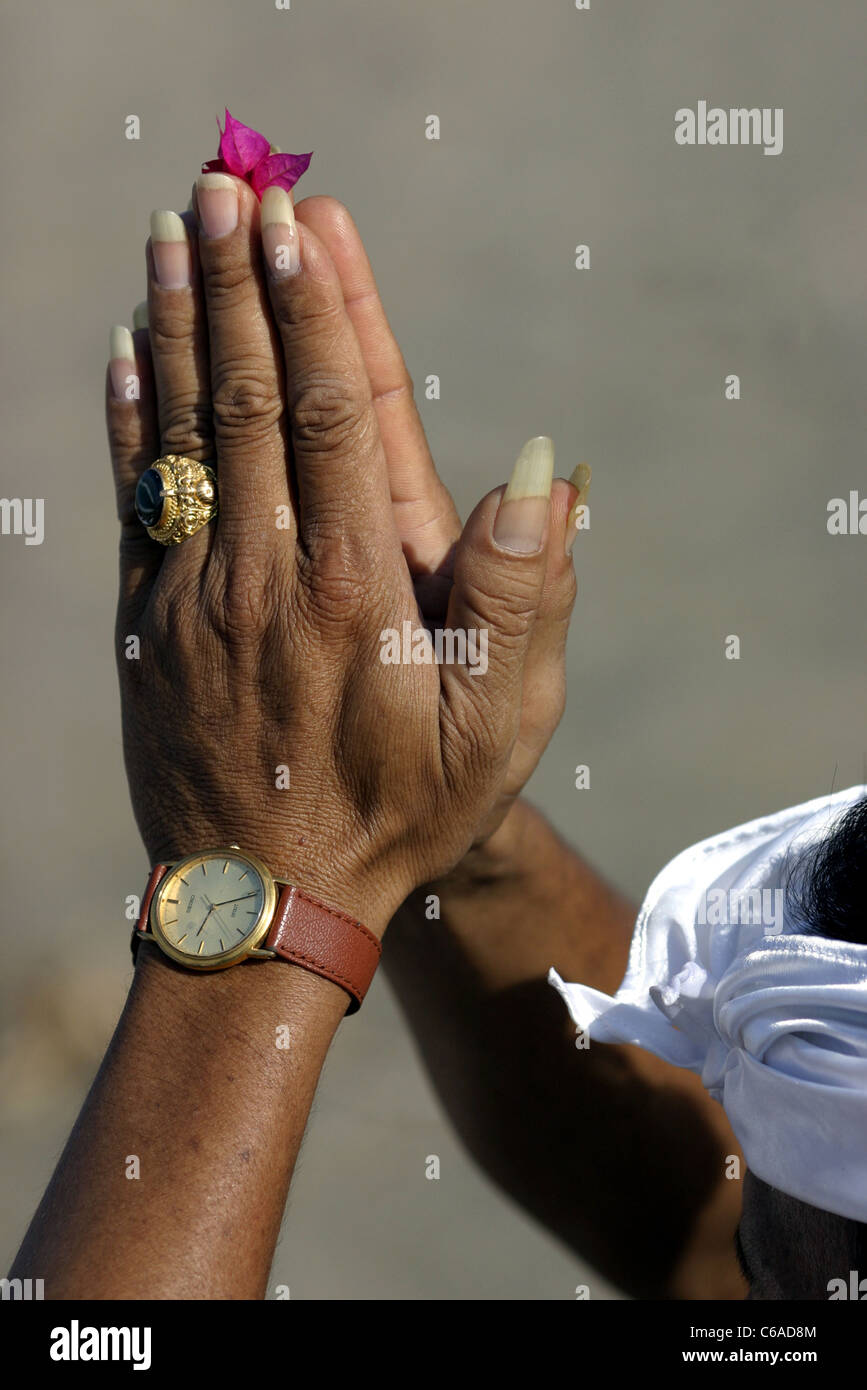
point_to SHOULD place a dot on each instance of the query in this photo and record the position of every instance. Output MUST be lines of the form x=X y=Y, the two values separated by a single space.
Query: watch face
x=213 y=908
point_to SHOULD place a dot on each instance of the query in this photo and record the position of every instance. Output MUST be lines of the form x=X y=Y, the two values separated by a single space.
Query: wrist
x=221 y=906
x=243 y=999
x=498 y=861
x=309 y=865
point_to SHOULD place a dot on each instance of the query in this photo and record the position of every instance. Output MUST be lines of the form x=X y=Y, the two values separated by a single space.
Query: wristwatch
x=222 y=906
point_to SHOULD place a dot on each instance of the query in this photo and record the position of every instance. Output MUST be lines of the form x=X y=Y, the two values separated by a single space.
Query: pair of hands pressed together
x=260 y=642
x=260 y=647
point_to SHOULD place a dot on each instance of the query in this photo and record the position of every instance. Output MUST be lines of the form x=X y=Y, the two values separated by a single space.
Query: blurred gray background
x=708 y=516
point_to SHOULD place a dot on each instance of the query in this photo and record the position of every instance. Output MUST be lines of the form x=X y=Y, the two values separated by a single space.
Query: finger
x=500 y=567
x=133 y=437
x=544 y=684
x=130 y=412
x=578 y=512
x=544 y=676
x=551 y=628
x=427 y=522
x=339 y=459
x=544 y=688
x=179 y=349
x=179 y=338
x=245 y=364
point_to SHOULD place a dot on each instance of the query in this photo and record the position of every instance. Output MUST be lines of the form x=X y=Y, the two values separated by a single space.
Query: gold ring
x=175 y=498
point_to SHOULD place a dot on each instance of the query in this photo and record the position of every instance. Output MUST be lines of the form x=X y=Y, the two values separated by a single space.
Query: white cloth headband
x=774 y=1020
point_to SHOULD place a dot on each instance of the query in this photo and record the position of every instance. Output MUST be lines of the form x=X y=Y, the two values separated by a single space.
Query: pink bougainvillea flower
x=247 y=154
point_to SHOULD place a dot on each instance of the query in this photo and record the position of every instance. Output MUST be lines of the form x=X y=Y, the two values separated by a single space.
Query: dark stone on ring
x=149 y=498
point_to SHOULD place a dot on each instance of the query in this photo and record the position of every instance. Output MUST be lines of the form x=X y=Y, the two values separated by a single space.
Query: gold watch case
x=180 y=882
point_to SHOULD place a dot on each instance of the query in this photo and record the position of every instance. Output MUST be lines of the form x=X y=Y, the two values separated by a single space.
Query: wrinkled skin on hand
x=261 y=643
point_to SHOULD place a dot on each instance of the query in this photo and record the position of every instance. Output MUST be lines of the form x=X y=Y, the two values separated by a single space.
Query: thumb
x=499 y=575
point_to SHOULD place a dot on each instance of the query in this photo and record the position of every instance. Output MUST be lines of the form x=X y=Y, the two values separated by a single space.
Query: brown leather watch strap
x=157 y=874
x=305 y=932
x=324 y=941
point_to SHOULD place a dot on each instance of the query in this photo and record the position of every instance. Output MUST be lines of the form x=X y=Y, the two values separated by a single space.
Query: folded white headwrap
x=774 y=1020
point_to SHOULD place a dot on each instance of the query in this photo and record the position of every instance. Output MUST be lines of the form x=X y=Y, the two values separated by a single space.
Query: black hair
x=787 y=1249
x=827 y=888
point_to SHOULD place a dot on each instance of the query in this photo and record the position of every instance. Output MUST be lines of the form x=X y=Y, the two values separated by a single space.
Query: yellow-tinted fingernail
x=171 y=250
x=279 y=233
x=217 y=202
x=121 y=361
x=580 y=479
x=523 y=511
x=140 y=315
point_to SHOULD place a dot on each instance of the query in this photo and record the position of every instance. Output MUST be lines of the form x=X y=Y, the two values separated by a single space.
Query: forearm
x=527 y=901
x=195 y=1087
x=618 y=1153
x=504 y=917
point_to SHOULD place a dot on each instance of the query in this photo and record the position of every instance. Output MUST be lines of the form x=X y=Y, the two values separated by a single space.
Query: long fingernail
x=520 y=522
x=279 y=233
x=121 y=363
x=580 y=479
x=140 y=315
x=217 y=201
x=171 y=250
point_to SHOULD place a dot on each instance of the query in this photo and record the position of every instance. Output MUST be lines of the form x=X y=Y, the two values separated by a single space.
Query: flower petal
x=241 y=148
x=214 y=166
x=282 y=169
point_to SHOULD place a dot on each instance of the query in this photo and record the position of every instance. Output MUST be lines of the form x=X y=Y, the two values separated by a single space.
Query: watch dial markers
x=210 y=914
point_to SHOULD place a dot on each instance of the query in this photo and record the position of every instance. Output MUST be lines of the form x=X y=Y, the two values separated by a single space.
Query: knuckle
x=303 y=311
x=475 y=749
x=240 y=595
x=401 y=392
x=171 y=328
x=136 y=549
x=337 y=595
x=550 y=702
x=327 y=417
x=185 y=424
x=245 y=402
x=509 y=610
x=174 y=609
x=227 y=276
x=124 y=434
x=569 y=591
x=124 y=492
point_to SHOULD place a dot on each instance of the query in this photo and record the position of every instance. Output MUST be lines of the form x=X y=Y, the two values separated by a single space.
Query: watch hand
x=205 y=918
x=235 y=900
x=212 y=907
x=218 y=918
